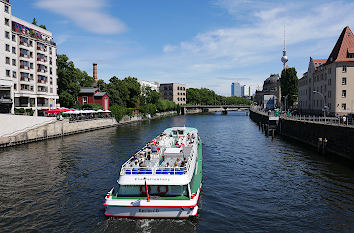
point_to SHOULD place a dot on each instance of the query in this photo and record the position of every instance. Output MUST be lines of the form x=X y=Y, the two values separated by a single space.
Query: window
x=7 y=22
x=344 y=93
x=6 y=9
x=344 y=106
x=31 y=66
x=7 y=47
x=14 y=62
x=344 y=69
x=7 y=60
x=15 y=86
x=7 y=73
x=14 y=74
x=13 y=37
x=13 y=50
x=7 y=35
x=84 y=99
x=329 y=82
x=344 y=81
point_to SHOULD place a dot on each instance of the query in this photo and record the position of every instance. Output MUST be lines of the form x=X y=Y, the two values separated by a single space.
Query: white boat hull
x=151 y=212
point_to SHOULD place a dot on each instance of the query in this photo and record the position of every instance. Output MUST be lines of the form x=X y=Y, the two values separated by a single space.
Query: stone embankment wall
x=339 y=139
x=329 y=139
x=55 y=129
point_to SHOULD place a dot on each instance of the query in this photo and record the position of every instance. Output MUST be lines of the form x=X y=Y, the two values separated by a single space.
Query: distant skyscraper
x=236 y=89
x=245 y=91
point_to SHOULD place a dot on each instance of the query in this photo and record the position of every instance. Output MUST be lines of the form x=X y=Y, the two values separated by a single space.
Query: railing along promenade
x=217 y=106
x=306 y=118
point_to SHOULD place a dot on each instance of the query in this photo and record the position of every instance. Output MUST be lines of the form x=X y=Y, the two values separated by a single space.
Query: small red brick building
x=89 y=95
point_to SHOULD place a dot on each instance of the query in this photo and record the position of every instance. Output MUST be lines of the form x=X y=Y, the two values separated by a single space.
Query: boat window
x=174 y=132
x=180 y=132
x=138 y=191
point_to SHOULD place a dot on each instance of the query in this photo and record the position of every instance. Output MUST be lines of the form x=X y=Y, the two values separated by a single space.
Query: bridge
x=214 y=108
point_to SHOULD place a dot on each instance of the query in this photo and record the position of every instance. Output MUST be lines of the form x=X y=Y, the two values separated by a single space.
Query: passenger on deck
x=167 y=164
x=142 y=164
x=135 y=165
x=141 y=159
x=153 y=148
x=175 y=165
x=148 y=155
x=178 y=161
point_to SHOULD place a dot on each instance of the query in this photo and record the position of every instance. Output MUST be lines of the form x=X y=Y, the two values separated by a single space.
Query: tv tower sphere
x=284 y=59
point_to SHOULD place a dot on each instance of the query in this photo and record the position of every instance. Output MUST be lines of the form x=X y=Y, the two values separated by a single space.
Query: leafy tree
x=151 y=96
x=34 y=21
x=118 y=111
x=43 y=26
x=134 y=91
x=70 y=79
x=193 y=96
x=289 y=85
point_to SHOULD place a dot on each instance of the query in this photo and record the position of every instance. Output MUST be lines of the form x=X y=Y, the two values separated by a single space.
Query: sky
x=202 y=43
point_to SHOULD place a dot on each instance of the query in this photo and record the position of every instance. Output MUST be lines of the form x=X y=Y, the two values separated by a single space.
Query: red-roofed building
x=329 y=83
x=88 y=95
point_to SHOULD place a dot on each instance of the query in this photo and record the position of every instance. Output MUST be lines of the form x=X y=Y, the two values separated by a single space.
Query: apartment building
x=174 y=91
x=28 y=77
x=329 y=83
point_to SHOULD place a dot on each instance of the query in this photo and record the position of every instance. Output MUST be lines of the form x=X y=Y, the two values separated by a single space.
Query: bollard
x=319 y=144
x=273 y=134
x=259 y=125
x=262 y=128
x=324 y=145
x=267 y=130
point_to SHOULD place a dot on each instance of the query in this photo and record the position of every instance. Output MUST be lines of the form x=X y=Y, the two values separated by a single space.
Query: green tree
x=151 y=96
x=193 y=96
x=118 y=111
x=43 y=26
x=70 y=79
x=289 y=85
x=34 y=21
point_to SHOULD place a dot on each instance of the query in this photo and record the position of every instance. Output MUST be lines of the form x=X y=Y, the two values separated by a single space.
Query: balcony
x=24 y=67
x=42 y=81
x=41 y=49
x=42 y=70
x=26 y=79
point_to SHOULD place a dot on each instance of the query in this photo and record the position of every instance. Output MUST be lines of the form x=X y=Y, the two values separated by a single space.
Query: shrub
x=118 y=111
x=92 y=106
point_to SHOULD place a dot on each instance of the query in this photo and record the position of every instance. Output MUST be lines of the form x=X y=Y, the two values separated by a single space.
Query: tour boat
x=162 y=180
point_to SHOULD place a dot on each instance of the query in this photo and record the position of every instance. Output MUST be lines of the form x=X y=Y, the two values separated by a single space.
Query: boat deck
x=170 y=153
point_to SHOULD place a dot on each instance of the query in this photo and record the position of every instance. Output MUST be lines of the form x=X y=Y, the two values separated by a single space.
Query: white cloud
x=169 y=48
x=87 y=14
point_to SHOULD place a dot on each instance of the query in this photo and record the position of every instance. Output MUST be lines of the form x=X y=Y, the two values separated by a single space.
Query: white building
x=236 y=89
x=28 y=71
x=245 y=91
x=153 y=85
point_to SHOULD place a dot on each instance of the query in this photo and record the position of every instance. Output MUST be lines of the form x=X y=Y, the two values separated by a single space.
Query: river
x=251 y=183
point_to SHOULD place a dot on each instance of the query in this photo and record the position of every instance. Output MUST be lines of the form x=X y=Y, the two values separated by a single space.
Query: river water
x=251 y=183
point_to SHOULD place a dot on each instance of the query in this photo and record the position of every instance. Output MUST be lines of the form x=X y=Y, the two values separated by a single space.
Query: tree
x=70 y=79
x=289 y=85
x=151 y=96
x=43 y=26
x=34 y=22
x=193 y=96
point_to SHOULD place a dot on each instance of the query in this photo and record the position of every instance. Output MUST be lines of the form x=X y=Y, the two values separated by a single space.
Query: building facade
x=271 y=87
x=153 y=85
x=88 y=95
x=329 y=83
x=174 y=91
x=245 y=91
x=28 y=77
x=236 y=89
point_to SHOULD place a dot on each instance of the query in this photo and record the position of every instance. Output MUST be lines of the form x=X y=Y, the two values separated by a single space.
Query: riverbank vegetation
x=125 y=95
x=204 y=96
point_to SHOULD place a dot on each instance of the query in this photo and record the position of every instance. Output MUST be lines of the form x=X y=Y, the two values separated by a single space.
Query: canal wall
x=326 y=138
x=55 y=129
x=51 y=128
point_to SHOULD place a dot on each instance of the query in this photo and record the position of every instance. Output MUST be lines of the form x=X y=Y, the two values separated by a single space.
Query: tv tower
x=284 y=58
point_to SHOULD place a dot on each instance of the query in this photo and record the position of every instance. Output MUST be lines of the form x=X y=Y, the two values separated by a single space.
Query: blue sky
x=203 y=43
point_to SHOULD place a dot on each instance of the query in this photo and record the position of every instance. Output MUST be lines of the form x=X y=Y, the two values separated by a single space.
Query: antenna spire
x=284 y=58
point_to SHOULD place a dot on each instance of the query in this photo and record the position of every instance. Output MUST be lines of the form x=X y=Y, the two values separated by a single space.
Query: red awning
x=58 y=110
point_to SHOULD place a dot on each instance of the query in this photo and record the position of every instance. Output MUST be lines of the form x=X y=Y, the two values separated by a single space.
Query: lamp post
x=324 y=103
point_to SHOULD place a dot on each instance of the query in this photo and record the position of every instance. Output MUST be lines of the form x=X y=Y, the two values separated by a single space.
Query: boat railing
x=153 y=171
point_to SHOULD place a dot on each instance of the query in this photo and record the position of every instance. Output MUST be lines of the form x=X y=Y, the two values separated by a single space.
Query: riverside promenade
x=17 y=129
x=327 y=135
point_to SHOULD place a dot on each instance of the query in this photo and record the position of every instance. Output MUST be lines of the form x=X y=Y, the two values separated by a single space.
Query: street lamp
x=324 y=103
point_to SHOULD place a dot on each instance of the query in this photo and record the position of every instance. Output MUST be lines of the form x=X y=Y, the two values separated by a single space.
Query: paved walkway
x=12 y=124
